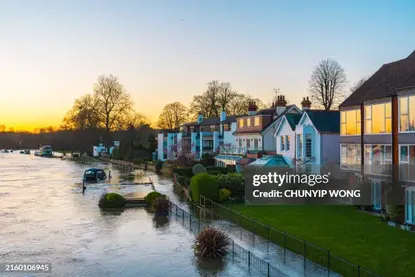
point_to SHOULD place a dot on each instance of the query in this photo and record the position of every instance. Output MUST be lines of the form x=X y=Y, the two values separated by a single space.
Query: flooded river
x=44 y=217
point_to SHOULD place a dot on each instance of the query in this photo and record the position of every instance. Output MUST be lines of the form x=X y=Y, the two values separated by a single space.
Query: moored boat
x=46 y=151
x=94 y=175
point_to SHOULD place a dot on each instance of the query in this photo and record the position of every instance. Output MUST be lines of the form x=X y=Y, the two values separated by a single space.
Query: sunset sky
x=51 y=52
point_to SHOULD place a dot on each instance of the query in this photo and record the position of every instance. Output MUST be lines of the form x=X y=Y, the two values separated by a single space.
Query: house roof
x=293 y=119
x=385 y=82
x=325 y=121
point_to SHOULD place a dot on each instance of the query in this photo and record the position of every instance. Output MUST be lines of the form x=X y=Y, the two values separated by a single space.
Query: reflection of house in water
x=378 y=129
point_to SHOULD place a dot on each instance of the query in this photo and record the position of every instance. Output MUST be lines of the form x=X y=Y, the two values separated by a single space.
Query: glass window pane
x=403 y=105
x=412 y=155
x=343 y=117
x=343 y=128
x=368 y=126
x=344 y=154
x=358 y=128
x=358 y=154
x=368 y=112
x=358 y=116
x=412 y=113
x=378 y=121
x=368 y=152
x=388 y=110
x=404 y=154
x=388 y=125
x=351 y=123
x=376 y=154
x=388 y=152
x=403 y=123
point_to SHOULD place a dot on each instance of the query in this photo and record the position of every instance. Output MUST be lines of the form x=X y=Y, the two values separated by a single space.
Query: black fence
x=288 y=248
x=236 y=253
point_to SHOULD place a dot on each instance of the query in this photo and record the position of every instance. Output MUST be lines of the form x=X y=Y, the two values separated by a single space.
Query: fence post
x=358 y=270
x=253 y=235
x=183 y=216
x=285 y=246
x=305 y=255
x=190 y=222
x=233 y=249
x=249 y=260
x=328 y=263
x=268 y=270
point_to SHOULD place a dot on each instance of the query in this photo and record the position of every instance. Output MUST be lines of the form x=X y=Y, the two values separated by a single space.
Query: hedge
x=206 y=185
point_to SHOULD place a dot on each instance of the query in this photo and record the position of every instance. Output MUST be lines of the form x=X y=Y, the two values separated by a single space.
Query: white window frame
x=358 y=122
x=408 y=114
x=371 y=118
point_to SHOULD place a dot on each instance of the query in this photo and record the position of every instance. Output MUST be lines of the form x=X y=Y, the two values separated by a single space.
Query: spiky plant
x=211 y=244
x=161 y=205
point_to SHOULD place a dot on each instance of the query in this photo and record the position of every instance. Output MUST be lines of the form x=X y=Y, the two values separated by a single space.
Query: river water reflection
x=44 y=217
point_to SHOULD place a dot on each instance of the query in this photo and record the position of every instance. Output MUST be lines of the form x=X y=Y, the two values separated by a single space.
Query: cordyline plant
x=211 y=244
x=161 y=205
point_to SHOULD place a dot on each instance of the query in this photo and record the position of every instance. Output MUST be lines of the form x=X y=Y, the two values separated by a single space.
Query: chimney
x=200 y=118
x=252 y=108
x=281 y=104
x=222 y=116
x=306 y=103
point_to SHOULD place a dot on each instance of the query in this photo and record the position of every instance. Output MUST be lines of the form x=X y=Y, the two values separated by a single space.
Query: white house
x=99 y=150
x=301 y=139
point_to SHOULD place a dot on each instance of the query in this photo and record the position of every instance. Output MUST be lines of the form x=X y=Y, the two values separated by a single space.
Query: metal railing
x=236 y=253
x=311 y=254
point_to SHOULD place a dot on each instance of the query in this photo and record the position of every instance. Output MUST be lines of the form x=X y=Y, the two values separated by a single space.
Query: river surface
x=44 y=217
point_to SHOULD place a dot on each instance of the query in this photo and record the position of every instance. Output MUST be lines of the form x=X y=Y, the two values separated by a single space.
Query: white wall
x=285 y=130
x=160 y=146
x=246 y=137
x=228 y=137
x=330 y=144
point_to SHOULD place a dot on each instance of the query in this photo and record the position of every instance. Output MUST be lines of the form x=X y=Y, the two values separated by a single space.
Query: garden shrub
x=111 y=200
x=159 y=165
x=223 y=170
x=151 y=196
x=224 y=195
x=161 y=205
x=206 y=185
x=212 y=244
x=234 y=182
x=198 y=168
x=184 y=171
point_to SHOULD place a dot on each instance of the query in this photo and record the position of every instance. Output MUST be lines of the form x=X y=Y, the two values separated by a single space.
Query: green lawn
x=353 y=235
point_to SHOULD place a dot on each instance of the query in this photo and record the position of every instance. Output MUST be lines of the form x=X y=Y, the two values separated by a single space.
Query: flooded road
x=44 y=217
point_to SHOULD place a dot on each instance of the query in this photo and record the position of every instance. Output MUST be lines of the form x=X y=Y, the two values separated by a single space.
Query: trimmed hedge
x=234 y=182
x=111 y=200
x=187 y=171
x=206 y=185
x=198 y=168
x=151 y=196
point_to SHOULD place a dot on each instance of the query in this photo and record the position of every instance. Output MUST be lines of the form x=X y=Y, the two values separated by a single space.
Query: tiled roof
x=325 y=121
x=213 y=121
x=385 y=82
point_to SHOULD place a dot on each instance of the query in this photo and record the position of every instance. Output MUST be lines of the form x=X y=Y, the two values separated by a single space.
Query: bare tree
x=112 y=100
x=173 y=115
x=357 y=85
x=327 y=83
x=225 y=97
x=207 y=103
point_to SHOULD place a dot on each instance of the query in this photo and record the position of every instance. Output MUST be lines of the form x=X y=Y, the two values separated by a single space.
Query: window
x=282 y=143
x=350 y=155
x=226 y=127
x=248 y=143
x=240 y=142
x=212 y=128
x=308 y=146
x=257 y=121
x=248 y=122
x=407 y=113
x=287 y=143
x=404 y=157
x=376 y=195
x=256 y=144
x=410 y=206
x=350 y=122
x=378 y=118
x=300 y=146
x=241 y=123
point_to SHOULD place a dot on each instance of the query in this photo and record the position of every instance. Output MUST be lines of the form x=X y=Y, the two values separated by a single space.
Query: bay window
x=350 y=122
x=407 y=113
x=350 y=155
x=378 y=118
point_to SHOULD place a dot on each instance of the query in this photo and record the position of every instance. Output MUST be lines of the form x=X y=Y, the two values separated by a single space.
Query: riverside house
x=254 y=135
x=300 y=137
x=378 y=128
x=204 y=136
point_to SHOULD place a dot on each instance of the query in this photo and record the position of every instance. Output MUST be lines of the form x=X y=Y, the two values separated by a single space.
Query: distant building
x=98 y=151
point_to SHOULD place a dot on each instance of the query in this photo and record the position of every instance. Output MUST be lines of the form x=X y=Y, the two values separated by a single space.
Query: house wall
x=330 y=148
x=268 y=137
x=229 y=137
x=160 y=148
x=285 y=130
x=263 y=121
x=305 y=127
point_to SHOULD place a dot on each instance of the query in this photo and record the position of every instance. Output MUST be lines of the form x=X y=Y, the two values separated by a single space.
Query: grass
x=350 y=234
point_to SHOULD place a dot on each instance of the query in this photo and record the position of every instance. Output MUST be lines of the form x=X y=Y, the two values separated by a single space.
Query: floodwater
x=44 y=217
